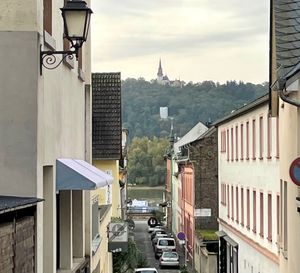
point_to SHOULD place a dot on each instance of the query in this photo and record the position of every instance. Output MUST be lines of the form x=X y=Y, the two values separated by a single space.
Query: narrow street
x=142 y=238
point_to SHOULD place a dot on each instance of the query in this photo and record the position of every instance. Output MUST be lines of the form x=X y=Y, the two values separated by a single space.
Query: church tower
x=159 y=73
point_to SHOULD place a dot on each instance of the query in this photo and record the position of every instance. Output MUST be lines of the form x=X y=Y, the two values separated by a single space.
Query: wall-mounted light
x=76 y=18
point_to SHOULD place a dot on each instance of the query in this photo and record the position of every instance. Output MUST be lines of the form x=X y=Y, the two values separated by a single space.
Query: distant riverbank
x=145 y=188
x=154 y=195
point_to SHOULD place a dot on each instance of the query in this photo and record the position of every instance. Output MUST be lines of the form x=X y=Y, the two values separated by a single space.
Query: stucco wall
x=18 y=119
x=289 y=117
x=261 y=175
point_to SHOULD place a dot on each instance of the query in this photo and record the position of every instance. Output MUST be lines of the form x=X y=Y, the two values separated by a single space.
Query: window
x=278 y=216
x=232 y=204
x=236 y=143
x=253 y=139
x=232 y=144
x=261 y=137
x=237 y=203
x=242 y=206
x=269 y=217
x=248 y=209
x=247 y=140
x=48 y=16
x=261 y=208
x=227 y=144
x=269 y=137
x=95 y=214
x=223 y=141
x=228 y=202
x=242 y=141
x=254 y=211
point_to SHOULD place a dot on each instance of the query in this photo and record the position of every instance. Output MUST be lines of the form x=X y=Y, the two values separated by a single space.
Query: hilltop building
x=164 y=79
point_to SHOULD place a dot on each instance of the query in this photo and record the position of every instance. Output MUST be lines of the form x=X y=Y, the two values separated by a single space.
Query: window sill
x=253 y=158
x=49 y=41
x=261 y=158
x=269 y=157
x=242 y=159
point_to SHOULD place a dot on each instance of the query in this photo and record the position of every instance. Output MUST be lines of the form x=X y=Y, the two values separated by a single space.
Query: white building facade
x=249 y=190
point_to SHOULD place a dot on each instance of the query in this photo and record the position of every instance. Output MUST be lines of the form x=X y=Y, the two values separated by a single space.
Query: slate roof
x=287 y=33
x=9 y=203
x=106 y=115
x=243 y=110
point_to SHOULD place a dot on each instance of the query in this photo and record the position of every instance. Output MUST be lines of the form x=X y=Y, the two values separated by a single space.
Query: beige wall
x=112 y=165
x=42 y=116
x=289 y=117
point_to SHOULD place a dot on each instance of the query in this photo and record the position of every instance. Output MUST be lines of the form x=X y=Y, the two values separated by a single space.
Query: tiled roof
x=8 y=203
x=287 y=33
x=107 y=124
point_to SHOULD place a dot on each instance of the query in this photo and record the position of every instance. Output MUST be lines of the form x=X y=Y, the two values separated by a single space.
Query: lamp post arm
x=49 y=60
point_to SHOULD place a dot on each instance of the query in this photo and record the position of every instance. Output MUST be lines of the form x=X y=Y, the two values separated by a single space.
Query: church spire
x=159 y=72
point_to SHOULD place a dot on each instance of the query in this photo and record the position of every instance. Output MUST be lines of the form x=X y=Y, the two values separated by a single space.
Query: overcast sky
x=196 y=40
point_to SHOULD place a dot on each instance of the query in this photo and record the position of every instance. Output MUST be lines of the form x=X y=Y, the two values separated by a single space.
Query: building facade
x=285 y=105
x=45 y=132
x=249 y=190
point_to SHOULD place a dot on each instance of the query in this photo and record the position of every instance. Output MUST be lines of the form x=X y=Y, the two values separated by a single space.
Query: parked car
x=154 y=233
x=146 y=270
x=154 y=240
x=170 y=259
x=164 y=244
x=151 y=229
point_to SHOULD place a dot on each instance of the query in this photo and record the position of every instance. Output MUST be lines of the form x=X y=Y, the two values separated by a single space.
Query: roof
x=243 y=110
x=9 y=203
x=191 y=135
x=106 y=115
x=287 y=33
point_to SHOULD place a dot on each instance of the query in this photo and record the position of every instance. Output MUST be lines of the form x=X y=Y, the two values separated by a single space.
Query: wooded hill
x=194 y=102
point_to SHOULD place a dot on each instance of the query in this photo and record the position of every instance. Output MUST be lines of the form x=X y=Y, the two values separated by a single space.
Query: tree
x=145 y=161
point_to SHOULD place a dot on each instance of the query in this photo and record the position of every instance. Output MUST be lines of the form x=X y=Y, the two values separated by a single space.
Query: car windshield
x=166 y=242
x=170 y=255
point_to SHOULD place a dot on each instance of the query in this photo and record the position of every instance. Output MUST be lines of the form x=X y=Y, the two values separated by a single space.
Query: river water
x=154 y=195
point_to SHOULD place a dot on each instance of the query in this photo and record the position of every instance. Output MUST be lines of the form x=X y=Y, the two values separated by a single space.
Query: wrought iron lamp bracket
x=49 y=60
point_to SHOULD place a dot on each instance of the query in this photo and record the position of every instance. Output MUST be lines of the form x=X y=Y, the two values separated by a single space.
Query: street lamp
x=76 y=18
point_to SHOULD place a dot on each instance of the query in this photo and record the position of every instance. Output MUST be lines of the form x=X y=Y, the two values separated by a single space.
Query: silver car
x=170 y=259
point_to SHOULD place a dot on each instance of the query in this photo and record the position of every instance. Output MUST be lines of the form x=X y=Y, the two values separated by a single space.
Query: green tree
x=145 y=161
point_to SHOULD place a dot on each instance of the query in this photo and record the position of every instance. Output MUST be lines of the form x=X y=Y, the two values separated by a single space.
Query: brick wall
x=204 y=154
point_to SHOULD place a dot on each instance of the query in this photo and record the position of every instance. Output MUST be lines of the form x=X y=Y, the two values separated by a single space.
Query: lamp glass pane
x=75 y=21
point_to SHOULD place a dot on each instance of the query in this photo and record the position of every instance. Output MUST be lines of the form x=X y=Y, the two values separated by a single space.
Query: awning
x=77 y=174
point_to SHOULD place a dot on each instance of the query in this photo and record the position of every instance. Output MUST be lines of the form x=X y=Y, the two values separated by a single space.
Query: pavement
x=142 y=239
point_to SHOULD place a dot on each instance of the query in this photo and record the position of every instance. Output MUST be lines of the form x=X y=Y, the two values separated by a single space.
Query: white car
x=170 y=259
x=164 y=244
x=146 y=270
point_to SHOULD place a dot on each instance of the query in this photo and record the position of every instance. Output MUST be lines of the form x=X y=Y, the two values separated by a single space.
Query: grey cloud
x=128 y=47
